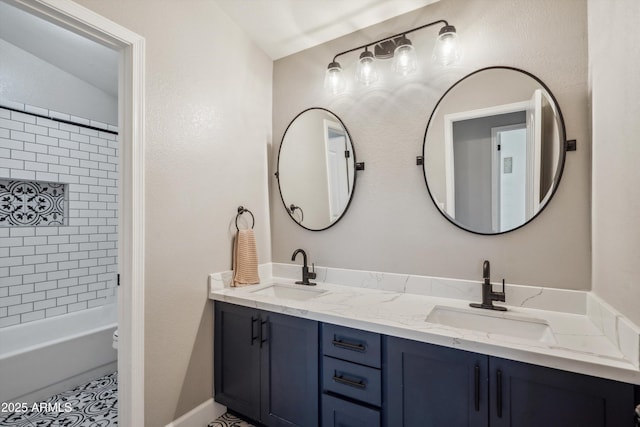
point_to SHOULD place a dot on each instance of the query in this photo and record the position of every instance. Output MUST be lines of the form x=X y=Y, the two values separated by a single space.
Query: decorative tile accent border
x=31 y=203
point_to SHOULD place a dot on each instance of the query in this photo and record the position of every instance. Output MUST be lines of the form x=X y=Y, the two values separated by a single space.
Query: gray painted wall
x=207 y=129
x=392 y=225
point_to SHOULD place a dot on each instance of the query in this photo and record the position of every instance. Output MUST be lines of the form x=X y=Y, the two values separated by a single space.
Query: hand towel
x=245 y=259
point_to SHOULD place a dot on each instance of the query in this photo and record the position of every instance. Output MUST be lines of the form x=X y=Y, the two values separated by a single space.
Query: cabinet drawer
x=355 y=381
x=340 y=413
x=350 y=344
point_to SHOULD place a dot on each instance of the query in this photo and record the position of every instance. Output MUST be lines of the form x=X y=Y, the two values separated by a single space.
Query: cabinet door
x=432 y=386
x=289 y=371
x=237 y=358
x=524 y=395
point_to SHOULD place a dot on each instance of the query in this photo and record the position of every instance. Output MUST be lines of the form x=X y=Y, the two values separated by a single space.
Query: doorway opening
x=130 y=48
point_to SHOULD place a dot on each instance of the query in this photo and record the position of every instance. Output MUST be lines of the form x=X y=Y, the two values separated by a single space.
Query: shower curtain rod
x=69 y=122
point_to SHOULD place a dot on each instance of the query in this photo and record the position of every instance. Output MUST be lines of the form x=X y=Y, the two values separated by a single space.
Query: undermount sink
x=292 y=292
x=494 y=323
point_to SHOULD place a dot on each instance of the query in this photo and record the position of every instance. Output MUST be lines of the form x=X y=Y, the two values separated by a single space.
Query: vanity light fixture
x=446 y=50
x=405 y=61
x=398 y=47
x=333 y=81
x=366 y=72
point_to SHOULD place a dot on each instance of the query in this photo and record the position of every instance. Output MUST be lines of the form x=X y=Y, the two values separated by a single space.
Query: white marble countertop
x=578 y=344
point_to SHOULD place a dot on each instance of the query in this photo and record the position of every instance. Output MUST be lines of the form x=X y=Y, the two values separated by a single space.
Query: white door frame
x=449 y=120
x=87 y=23
x=334 y=211
x=534 y=145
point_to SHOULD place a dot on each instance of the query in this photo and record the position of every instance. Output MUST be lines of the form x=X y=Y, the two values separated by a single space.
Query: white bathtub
x=41 y=358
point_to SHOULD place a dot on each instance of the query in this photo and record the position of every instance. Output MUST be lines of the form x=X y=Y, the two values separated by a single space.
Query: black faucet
x=306 y=275
x=488 y=296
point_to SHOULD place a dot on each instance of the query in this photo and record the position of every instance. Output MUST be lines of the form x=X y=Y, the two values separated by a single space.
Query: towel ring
x=242 y=210
x=293 y=208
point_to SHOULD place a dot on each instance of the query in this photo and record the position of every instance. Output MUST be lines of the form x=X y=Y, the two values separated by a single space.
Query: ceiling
x=278 y=27
x=284 y=27
x=61 y=48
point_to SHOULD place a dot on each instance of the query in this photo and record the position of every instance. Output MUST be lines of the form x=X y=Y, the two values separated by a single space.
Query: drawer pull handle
x=349 y=346
x=341 y=380
x=499 y=392
x=254 y=321
x=264 y=332
x=477 y=388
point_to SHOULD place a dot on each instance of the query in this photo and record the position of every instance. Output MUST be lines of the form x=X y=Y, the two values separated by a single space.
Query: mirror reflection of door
x=338 y=155
x=501 y=161
x=474 y=168
x=510 y=173
x=316 y=169
x=474 y=186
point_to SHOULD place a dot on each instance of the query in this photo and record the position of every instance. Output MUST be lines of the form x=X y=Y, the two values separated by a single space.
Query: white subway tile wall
x=47 y=271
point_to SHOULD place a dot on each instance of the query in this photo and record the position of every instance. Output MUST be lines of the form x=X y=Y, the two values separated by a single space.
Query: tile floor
x=229 y=420
x=90 y=405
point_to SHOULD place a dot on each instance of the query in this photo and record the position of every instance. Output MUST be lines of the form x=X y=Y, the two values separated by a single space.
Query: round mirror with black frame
x=316 y=169
x=494 y=150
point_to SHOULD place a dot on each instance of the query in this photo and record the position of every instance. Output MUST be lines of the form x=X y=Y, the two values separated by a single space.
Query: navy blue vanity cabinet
x=237 y=358
x=289 y=371
x=351 y=377
x=432 y=386
x=266 y=365
x=428 y=385
x=338 y=412
x=525 y=395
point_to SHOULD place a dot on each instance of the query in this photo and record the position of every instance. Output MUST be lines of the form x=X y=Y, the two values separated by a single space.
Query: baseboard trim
x=200 y=416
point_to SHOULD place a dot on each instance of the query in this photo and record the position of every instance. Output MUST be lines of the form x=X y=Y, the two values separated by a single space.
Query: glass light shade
x=446 y=50
x=404 y=58
x=333 y=80
x=366 y=72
